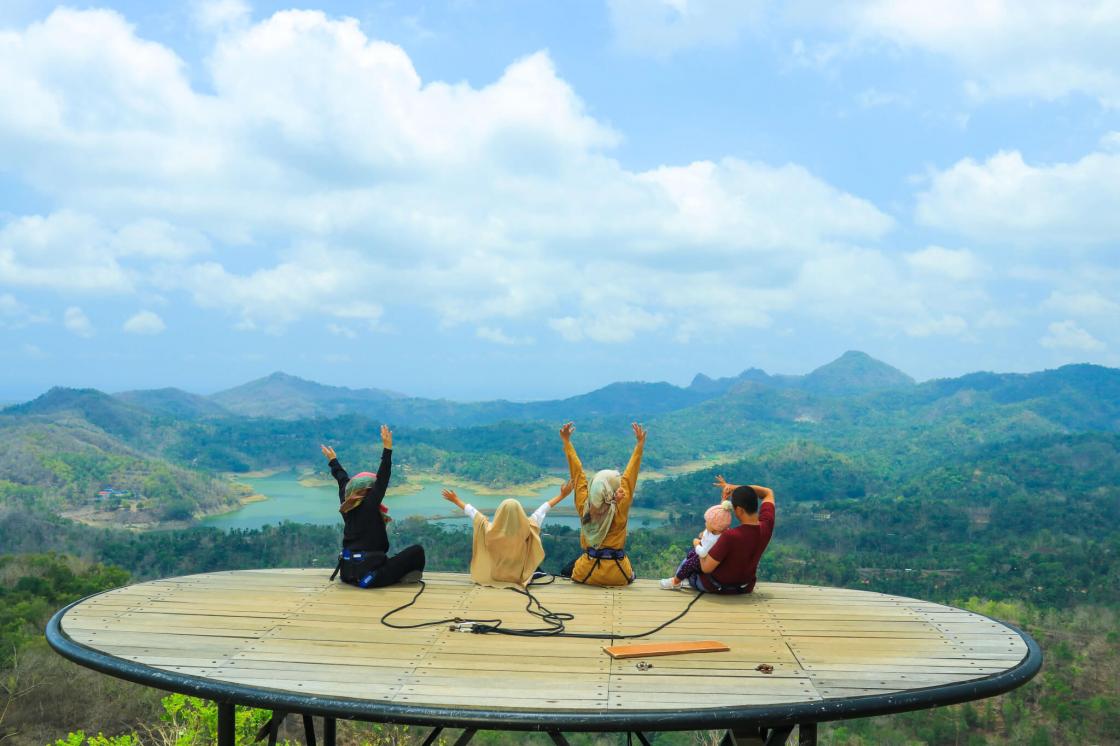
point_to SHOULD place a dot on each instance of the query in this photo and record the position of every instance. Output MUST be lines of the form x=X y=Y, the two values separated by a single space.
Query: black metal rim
x=685 y=718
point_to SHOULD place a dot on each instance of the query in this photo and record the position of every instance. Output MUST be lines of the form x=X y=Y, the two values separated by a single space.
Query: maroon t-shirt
x=738 y=551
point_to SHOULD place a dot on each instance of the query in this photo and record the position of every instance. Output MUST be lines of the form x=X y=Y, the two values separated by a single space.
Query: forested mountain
x=854 y=412
x=174 y=403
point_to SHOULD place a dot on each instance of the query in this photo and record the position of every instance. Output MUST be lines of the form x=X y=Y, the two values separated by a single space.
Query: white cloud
x=661 y=27
x=65 y=251
x=310 y=283
x=1006 y=201
x=144 y=322
x=75 y=320
x=15 y=315
x=947 y=325
x=608 y=324
x=218 y=15
x=953 y=264
x=1035 y=48
x=873 y=98
x=33 y=351
x=1067 y=335
x=497 y=336
x=316 y=135
x=342 y=331
x=1083 y=303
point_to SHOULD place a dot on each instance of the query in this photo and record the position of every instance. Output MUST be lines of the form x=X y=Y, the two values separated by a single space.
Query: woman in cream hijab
x=508 y=550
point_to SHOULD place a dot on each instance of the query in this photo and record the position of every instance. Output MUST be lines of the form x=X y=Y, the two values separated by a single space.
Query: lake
x=288 y=500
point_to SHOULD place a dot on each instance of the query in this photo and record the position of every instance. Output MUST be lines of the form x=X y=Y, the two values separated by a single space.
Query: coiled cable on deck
x=555 y=620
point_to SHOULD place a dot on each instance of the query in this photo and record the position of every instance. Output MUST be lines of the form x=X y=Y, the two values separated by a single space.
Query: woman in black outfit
x=364 y=536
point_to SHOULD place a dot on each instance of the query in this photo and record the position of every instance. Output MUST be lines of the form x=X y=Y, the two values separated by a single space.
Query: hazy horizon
x=7 y=398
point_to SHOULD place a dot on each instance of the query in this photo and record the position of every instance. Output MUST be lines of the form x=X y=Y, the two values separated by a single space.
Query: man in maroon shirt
x=732 y=561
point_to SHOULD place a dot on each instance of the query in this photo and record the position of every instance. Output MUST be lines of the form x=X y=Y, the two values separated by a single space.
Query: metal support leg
x=742 y=737
x=466 y=737
x=330 y=728
x=778 y=736
x=642 y=738
x=431 y=736
x=309 y=730
x=226 y=735
x=807 y=734
x=558 y=738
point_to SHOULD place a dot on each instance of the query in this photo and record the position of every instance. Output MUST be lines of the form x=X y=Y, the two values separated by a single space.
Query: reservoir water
x=289 y=500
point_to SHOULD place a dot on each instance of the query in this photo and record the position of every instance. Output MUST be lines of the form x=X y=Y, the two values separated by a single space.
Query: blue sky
x=527 y=200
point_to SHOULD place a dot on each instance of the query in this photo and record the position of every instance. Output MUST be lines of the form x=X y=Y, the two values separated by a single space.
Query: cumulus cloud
x=1067 y=335
x=953 y=264
x=144 y=322
x=316 y=135
x=311 y=282
x=497 y=336
x=64 y=251
x=1082 y=303
x=1034 y=48
x=1005 y=200
x=77 y=323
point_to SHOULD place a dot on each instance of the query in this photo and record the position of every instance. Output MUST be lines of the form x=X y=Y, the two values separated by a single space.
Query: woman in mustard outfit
x=603 y=508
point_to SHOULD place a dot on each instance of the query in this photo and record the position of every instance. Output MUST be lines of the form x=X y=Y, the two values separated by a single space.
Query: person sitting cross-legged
x=507 y=551
x=364 y=560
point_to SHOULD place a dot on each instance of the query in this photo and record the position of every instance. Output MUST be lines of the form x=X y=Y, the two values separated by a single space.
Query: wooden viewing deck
x=289 y=639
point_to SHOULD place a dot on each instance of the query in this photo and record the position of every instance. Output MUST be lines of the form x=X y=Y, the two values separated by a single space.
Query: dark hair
x=746 y=498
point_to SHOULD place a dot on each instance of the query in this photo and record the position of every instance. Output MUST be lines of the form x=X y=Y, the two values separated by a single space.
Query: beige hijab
x=508 y=550
x=598 y=513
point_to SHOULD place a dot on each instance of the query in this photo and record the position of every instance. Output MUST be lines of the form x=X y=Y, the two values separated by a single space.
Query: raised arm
x=630 y=476
x=765 y=494
x=337 y=471
x=451 y=497
x=565 y=490
x=575 y=468
x=385 y=469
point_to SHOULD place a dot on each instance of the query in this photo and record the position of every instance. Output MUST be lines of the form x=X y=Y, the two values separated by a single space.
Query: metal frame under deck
x=758 y=724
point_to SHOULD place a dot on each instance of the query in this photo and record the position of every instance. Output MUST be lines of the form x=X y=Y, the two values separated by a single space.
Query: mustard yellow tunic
x=609 y=572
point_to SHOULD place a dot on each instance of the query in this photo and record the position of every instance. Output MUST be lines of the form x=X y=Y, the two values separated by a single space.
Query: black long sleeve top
x=365 y=529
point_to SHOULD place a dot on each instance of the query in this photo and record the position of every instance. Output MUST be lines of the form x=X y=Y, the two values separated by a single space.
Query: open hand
x=565 y=489
x=328 y=452
x=639 y=432
x=567 y=430
x=386 y=438
x=450 y=496
x=724 y=486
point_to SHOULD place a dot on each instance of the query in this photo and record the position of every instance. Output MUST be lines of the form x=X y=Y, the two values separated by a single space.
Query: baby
x=717 y=519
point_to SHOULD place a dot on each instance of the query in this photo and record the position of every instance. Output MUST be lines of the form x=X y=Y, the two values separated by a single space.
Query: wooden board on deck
x=293 y=631
x=664 y=648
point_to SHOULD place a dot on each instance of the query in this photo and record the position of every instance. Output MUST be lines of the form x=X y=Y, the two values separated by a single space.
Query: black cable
x=419 y=625
x=554 y=619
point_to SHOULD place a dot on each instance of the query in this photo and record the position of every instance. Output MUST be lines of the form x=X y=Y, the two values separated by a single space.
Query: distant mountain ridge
x=852 y=373
x=1075 y=396
x=289 y=397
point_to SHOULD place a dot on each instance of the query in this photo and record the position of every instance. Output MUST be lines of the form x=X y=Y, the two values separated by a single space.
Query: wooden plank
x=664 y=648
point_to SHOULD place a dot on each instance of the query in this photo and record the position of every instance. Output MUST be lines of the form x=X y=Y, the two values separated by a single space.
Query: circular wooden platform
x=289 y=639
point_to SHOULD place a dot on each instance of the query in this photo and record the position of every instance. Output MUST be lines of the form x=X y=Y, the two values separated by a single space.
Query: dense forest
x=996 y=493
